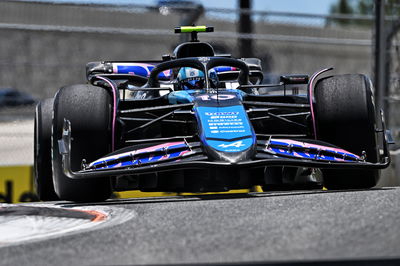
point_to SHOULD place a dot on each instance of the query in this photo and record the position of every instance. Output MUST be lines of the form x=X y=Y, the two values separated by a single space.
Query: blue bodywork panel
x=225 y=129
x=139 y=69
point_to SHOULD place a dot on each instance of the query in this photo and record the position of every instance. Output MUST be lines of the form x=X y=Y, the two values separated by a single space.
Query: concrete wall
x=41 y=61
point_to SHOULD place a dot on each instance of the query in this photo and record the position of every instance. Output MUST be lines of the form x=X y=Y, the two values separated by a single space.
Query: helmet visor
x=193 y=84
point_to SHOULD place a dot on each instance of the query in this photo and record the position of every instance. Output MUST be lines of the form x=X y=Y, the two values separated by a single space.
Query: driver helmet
x=214 y=81
x=190 y=79
x=193 y=79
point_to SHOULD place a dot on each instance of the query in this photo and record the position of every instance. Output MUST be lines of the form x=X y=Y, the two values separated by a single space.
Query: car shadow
x=169 y=199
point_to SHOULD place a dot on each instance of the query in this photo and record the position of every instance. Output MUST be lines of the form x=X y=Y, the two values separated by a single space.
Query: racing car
x=195 y=121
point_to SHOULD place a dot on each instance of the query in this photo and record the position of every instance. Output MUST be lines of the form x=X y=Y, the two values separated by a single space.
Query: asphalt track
x=244 y=228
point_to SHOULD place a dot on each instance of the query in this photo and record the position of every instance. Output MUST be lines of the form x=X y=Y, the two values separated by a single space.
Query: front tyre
x=42 y=151
x=345 y=117
x=88 y=108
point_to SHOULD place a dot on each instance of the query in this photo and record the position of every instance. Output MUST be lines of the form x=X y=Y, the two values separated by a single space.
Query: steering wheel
x=200 y=63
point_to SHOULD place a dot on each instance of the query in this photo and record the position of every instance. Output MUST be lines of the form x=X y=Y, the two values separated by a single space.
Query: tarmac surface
x=292 y=226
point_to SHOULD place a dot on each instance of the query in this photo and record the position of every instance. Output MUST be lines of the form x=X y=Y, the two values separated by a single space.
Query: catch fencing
x=46 y=45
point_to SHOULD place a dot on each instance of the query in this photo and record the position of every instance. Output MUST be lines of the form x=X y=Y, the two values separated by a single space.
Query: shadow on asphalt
x=351 y=262
x=168 y=199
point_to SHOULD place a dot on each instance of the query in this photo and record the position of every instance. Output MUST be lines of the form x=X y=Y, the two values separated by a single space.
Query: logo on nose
x=236 y=144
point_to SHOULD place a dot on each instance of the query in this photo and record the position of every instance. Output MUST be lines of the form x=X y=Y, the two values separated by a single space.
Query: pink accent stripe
x=164 y=145
x=311 y=96
x=114 y=89
x=136 y=152
x=115 y=68
x=316 y=146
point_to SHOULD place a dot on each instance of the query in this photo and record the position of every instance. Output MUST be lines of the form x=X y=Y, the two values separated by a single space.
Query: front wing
x=189 y=155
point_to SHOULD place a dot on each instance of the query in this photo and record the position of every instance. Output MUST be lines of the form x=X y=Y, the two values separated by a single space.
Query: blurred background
x=45 y=45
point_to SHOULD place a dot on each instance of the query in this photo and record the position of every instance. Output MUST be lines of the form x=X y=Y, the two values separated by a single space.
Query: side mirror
x=294 y=79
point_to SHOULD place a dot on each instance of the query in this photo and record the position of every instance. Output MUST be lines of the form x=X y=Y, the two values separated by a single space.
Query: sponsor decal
x=204 y=60
x=219 y=97
x=221 y=113
x=222 y=124
x=236 y=144
x=192 y=72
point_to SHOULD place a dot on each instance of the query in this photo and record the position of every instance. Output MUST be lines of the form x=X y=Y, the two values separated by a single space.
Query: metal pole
x=390 y=35
x=380 y=55
x=245 y=26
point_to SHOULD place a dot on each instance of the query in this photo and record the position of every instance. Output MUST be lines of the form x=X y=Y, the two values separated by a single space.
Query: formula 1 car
x=134 y=127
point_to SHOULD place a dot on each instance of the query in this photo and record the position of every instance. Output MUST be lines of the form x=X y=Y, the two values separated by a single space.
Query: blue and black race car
x=198 y=122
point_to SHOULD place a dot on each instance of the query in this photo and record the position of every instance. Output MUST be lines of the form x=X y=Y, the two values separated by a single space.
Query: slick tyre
x=345 y=117
x=42 y=151
x=88 y=108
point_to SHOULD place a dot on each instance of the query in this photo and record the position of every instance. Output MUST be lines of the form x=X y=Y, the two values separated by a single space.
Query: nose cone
x=226 y=133
x=231 y=151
